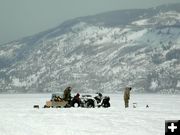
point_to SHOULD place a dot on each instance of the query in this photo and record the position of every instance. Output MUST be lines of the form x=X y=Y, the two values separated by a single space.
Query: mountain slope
x=105 y=52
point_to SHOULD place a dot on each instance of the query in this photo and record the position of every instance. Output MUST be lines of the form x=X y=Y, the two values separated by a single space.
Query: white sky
x=20 y=18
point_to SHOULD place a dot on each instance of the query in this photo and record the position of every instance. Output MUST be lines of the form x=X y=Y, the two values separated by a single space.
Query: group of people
x=67 y=96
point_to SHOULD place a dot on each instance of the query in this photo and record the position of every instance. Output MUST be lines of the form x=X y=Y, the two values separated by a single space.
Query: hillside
x=104 y=52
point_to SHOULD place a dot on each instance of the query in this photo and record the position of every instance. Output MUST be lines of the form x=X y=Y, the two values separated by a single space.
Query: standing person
x=127 y=96
x=67 y=94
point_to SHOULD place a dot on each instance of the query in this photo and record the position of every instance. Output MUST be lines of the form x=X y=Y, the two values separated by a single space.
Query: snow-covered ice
x=18 y=117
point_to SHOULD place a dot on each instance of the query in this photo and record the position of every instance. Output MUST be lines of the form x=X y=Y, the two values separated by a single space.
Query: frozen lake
x=18 y=117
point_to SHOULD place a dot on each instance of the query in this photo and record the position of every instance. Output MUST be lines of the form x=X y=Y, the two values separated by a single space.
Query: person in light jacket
x=127 y=96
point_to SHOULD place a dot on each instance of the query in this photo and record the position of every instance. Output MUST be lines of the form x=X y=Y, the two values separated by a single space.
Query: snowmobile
x=89 y=101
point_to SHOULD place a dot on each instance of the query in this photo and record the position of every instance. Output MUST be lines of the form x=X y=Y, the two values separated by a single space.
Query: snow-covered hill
x=104 y=52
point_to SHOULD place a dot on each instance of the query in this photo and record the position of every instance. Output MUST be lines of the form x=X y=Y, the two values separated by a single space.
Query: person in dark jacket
x=67 y=94
x=76 y=99
x=127 y=96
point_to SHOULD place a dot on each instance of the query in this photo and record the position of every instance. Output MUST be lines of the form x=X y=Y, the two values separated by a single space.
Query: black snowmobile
x=89 y=101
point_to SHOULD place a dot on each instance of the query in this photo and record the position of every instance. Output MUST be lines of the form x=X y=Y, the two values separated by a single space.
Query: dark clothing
x=77 y=100
x=67 y=94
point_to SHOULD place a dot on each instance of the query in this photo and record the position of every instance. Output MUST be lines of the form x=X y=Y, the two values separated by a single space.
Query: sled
x=55 y=102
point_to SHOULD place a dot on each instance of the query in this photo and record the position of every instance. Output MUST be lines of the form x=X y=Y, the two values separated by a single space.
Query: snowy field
x=18 y=117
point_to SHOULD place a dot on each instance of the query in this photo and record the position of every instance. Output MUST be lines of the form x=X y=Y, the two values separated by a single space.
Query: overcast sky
x=20 y=18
